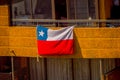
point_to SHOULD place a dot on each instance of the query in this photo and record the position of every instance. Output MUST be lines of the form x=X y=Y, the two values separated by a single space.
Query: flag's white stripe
x=62 y=34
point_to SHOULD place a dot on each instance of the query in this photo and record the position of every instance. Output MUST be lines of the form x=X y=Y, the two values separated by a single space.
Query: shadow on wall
x=77 y=48
x=113 y=75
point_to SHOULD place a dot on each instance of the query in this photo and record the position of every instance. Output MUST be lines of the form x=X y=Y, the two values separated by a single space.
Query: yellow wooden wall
x=4 y=15
x=89 y=42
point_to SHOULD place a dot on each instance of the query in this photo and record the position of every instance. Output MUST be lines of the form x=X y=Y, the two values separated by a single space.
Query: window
x=82 y=9
x=38 y=9
x=52 y=9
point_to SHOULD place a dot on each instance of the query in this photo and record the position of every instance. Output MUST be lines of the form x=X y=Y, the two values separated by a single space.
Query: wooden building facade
x=96 y=51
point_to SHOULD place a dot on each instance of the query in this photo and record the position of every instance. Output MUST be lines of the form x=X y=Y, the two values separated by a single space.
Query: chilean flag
x=55 y=42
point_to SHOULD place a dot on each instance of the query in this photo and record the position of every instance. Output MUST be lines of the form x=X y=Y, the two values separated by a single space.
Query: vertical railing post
x=12 y=65
x=101 y=70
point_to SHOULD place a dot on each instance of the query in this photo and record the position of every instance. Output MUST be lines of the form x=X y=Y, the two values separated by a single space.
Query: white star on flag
x=41 y=33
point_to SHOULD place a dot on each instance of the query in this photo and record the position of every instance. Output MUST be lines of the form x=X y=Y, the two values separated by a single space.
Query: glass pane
x=72 y=9
x=20 y=9
x=42 y=9
x=31 y=9
x=82 y=9
x=92 y=12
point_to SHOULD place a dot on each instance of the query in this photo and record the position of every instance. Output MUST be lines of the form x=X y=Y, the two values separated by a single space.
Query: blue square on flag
x=55 y=42
x=42 y=33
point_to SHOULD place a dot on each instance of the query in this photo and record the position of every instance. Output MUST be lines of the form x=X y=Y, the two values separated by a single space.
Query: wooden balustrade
x=89 y=42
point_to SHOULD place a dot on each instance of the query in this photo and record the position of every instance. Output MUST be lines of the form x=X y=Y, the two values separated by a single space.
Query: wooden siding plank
x=4 y=10
x=23 y=42
x=22 y=31
x=4 y=21
x=24 y=51
x=4 y=15
x=37 y=69
x=84 y=43
x=4 y=31
x=4 y=41
x=4 y=51
x=95 y=69
x=81 y=69
x=59 y=69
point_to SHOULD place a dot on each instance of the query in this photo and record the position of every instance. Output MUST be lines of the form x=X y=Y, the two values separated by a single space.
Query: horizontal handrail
x=68 y=21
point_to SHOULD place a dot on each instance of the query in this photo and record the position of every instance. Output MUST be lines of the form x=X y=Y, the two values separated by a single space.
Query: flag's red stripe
x=55 y=47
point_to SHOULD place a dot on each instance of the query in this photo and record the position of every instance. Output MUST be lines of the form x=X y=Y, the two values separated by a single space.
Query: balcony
x=90 y=42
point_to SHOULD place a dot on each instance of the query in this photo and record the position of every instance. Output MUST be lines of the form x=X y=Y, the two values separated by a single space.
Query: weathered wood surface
x=89 y=42
x=70 y=69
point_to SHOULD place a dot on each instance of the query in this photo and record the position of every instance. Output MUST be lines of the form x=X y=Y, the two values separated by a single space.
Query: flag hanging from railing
x=55 y=42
